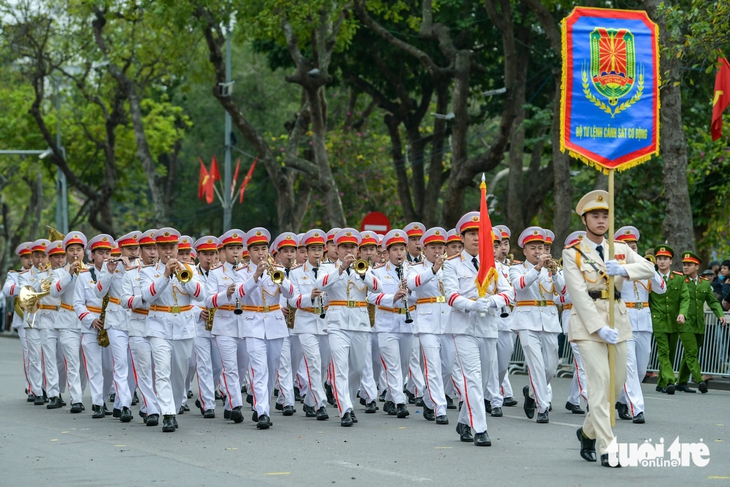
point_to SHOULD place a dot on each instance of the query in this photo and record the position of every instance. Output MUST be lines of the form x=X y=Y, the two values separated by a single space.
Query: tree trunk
x=563 y=186
x=677 y=225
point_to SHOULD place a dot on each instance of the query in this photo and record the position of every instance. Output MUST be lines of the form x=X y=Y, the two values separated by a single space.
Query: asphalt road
x=38 y=446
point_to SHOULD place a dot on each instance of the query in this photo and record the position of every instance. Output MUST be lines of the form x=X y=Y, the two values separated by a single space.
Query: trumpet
x=510 y=259
x=238 y=309
x=277 y=276
x=81 y=267
x=651 y=258
x=553 y=265
x=183 y=273
x=361 y=266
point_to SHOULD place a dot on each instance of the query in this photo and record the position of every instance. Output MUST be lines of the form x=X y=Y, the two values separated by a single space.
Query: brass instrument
x=361 y=267
x=183 y=273
x=651 y=258
x=291 y=314
x=28 y=300
x=238 y=309
x=399 y=273
x=209 y=321
x=103 y=337
x=510 y=259
x=81 y=267
x=277 y=276
x=553 y=265
x=54 y=234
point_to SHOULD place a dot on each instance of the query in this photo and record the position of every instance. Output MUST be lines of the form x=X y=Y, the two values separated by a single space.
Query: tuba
x=28 y=301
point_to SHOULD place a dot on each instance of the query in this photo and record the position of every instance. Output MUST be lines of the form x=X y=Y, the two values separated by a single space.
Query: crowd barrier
x=713 y=355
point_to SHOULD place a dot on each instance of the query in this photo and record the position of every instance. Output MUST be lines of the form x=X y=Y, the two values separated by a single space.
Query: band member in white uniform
x=578 y=385
x=635 y=295
x=260 y=294
x=117 y=321
x=186 y=254
x=310 y=325
x=170 y=323
x=228 y=322
x=535 y=320
x=139 y=344
x=415 y=384
x=284 y=249
x=54 y=374
x=368 y=251
x=473 y=323
x=394 y=322
x=32 y=278
x=431 y=323
x=348 y=323
x=67 y=323
x=11 y=288
x=88 y=307
x=207 y=359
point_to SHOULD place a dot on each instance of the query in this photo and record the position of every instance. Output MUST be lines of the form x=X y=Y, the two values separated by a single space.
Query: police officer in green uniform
x=668 y=312
x=692 y=332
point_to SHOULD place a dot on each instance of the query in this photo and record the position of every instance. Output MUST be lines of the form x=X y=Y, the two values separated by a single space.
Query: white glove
x=608 y=335
x=613 y=268
x=482 y=305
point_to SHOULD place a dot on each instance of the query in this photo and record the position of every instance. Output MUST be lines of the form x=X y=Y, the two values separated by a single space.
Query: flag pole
x=611 y=297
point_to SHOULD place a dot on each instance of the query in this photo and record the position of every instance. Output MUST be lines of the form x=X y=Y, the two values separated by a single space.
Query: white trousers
x=638 y=351
x=91 y=353
x=541 y=356
x=474 y=357
x=171 y=365
x=24 y=344
x=49 y=345
x=368 y=385
x=70 y=343
x=107 y=368
x=395 y=355
x=142 y=368
x=229 y=351
x=300 y=374
x=415 y=382
x=438 y=355
x=315 y=353
x=285 y=375
x=208 y=367
x=263 y=357
x=349 y=351
x=119 y=345
x=190 y=374
x=578 y=386
x=498 y=376
x=35 y=360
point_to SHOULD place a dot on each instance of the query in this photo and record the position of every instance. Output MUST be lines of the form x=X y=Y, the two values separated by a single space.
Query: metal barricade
x=713 y=354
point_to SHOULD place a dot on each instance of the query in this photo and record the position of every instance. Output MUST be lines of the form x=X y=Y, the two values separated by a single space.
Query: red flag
x=235 y=176
x=214 y=170
x=202 y=180
x=247 y=179
x=487 y=271
x=721 y=98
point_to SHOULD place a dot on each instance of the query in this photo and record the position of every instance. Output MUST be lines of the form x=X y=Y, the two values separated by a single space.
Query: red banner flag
x=214 y=170
x=247 y=179
x=202 y=180
x=487 y=271
x=235 y=177
x=721 y=98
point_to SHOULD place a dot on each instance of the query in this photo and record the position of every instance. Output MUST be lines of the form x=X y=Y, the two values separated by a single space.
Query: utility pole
x=227 y=203
x=61 y=187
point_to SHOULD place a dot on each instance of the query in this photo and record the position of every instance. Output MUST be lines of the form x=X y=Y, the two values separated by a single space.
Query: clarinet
x=399 y=272
x=237 y=311
x=321 y=299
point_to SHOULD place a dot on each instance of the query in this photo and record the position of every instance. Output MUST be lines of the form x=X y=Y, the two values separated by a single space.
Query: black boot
x=237 y=415
x=264 y=422
x=209 y=414
x=167 y=425
x=402 y=411
x=464 y=433
x=97 y=412
x=428 y=413
x=126 y=415
x=153 y=420
x=55 y=403
x=371 y=407
x=322 y=414
x=346 y=419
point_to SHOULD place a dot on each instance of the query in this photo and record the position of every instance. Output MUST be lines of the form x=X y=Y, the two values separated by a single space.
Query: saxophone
x=292 y=310
x=103 y=338
x=209 y=321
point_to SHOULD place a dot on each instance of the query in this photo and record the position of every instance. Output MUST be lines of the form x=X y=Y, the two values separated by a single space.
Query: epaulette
x=703 y=278
x=516 y=262
x=148 y=265
x=573 y=244
x=453 y=256
x=295 y=266
x=12 y=271
x=23 y=272
x=678 y=273
x=83 y=270
x=378 y=266
x=214 y=267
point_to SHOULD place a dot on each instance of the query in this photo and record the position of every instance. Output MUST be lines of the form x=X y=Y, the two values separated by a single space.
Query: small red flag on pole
x=202 y=180
x=487 y=271
x=721 y=98
x=247 y=179
x=235 y=177
x=214 y=170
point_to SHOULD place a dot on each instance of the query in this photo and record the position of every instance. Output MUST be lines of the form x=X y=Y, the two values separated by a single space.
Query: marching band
x=325 y=318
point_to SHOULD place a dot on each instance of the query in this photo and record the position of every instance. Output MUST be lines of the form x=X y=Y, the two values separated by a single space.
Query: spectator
x=2 y=312
x=714 y=265
x=725 y=277
x=714 y=279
